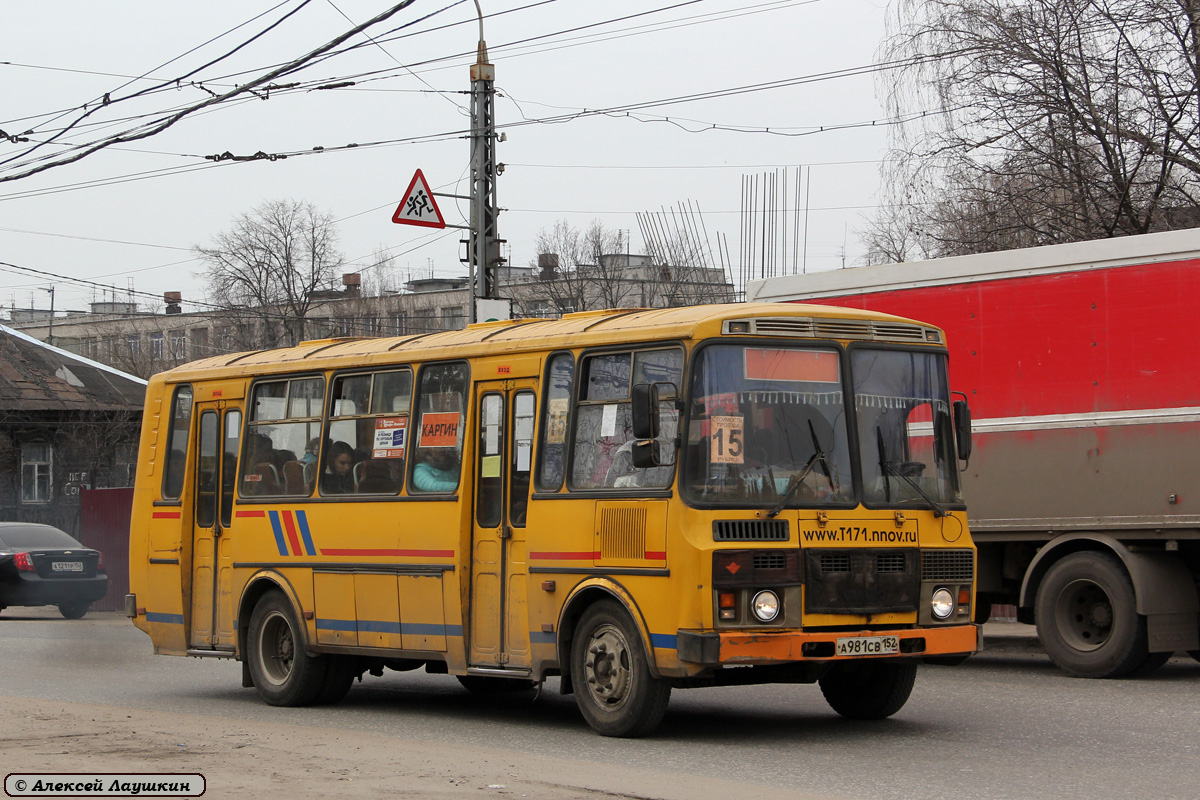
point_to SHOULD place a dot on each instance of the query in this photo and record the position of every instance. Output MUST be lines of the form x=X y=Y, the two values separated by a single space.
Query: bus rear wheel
x=614 y=688
x=283 y=674
x=868 y=689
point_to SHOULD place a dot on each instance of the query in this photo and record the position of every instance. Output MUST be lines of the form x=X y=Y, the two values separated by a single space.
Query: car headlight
x=942 y=604
x=765 y=606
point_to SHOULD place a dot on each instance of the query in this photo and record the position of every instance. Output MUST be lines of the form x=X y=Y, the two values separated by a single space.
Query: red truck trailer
x=1082 y=366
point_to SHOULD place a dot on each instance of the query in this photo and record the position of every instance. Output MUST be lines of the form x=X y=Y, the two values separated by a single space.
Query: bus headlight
x=765 y=606
x=942 y=603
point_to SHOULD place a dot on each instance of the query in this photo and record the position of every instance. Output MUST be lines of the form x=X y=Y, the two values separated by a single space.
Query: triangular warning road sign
x=418 y=206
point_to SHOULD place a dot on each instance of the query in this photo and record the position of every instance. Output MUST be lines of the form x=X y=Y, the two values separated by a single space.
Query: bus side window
x=180 y=425
x=441 y=411
x=560 y=375
x=285 y=416
x=233 y=434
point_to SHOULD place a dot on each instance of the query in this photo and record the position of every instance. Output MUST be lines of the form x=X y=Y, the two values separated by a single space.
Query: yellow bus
x=630 y=500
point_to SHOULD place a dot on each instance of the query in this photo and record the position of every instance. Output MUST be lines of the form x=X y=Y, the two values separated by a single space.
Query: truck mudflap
x=774 y=647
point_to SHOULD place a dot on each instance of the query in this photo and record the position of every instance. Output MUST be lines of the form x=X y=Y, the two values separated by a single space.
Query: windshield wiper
x=817 y=456
x=892 y=468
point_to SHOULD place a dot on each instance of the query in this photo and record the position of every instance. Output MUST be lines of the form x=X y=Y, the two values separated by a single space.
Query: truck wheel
x=614 y=689
x=284 y=675
x=74 y=609
x=1087 y=618
x=868 y=689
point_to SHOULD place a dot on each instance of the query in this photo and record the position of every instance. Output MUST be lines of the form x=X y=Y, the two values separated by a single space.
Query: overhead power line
x=163 y=123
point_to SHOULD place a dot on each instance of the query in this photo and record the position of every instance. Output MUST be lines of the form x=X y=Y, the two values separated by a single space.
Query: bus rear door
x=212 y=559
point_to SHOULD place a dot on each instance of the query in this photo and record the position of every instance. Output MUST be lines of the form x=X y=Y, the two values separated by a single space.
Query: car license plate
x=67 y=566
x=868 y=645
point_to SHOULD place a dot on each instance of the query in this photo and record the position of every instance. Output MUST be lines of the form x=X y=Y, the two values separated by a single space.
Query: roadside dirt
x=254 y=759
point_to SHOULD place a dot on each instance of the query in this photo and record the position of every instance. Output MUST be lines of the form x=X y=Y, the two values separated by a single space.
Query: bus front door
x=499 y=618
x=212 y=558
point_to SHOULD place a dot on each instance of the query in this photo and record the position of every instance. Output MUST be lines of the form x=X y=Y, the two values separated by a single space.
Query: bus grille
x=770 y=561
x=861 y=580
x=623 y=533
x=750 y=530
x=947 y=565
x=820 y=328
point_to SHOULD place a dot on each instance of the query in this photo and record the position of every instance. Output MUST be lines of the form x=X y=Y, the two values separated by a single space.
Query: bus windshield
x=767 y=423
x=905 y=435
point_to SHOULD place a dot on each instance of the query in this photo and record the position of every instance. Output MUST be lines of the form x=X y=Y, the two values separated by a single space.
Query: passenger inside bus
x=438 y=472
x=338 y=477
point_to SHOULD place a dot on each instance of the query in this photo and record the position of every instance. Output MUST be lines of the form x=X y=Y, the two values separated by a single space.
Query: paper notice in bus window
x=726 y=445
x=608 y=421
x=524 y=450
x=389 y=437
x=787 y=364
x=556 y=426
x=489 y=467
x=439 y=429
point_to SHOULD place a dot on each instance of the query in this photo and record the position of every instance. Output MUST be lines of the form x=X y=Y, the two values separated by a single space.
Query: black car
x=43 y=566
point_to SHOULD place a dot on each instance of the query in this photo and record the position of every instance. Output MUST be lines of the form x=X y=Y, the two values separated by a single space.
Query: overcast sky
x=128 y=216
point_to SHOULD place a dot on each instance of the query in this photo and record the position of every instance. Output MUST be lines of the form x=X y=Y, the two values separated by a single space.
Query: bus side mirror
x=646 y=401
x=646 y=404
x=644 y=409
x=646 y=454
x=962 y=429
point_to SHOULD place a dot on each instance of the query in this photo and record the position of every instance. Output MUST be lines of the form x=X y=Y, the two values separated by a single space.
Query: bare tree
x=274 y=259
x=580 y=273
x=1039 y=121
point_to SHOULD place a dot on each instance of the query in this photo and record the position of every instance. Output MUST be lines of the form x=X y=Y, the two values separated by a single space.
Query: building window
x=133 y=344
x=199 y=338
x=178 y=344
x=452 y=318
x=156 y=345
x=36 y=458
x=124 y=465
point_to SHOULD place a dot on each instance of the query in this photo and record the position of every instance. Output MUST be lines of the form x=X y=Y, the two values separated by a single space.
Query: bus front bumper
x=777 y=647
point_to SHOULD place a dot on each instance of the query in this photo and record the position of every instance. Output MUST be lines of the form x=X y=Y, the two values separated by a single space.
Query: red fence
x=104 y=525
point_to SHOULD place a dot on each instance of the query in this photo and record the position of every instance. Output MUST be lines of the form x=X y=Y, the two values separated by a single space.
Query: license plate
x=868 y=645
x=67 y=566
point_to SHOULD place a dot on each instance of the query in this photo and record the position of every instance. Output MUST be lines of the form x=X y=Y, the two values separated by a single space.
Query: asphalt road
x=1006 y=724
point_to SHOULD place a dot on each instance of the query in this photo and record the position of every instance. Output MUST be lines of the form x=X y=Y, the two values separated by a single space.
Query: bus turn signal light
x=726 y=601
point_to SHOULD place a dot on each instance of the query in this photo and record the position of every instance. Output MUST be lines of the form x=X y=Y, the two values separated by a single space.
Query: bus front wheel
x=614 y=688
x=868 y=689
x=283 y=674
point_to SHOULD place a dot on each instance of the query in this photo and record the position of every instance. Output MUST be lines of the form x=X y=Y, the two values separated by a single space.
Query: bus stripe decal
x=166 y=515
x=155 y=616
x=255 y=513
x=307 y=534
x=590 y=556
x=383 y=626
x=341 y=551
x=274 y=515
x=378 y=626
x=290 y=524
x=656 y=555
x=337 y=625
x=667 y=641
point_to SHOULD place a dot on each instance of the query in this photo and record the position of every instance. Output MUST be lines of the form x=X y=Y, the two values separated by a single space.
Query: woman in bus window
x=338 y=477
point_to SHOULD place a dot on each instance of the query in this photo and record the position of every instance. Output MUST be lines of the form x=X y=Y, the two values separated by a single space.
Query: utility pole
x=484 y=255
x=50 y=334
